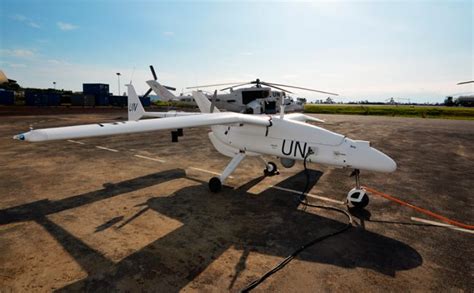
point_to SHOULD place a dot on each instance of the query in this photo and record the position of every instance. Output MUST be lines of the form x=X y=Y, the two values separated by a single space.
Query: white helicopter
x=261 y=98
x=237 y=135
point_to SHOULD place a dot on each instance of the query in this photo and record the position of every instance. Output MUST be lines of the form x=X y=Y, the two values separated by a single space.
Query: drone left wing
x=126 y=127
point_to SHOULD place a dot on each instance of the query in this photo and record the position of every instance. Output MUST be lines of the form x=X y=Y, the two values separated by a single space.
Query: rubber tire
x=363 y=203
x=215 y=184
x=273 y=171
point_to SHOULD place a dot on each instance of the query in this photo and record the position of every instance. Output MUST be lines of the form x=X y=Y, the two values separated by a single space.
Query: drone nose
x=366 y=157
x=381 y=162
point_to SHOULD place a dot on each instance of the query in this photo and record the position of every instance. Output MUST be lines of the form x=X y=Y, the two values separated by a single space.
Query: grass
x=394 y=110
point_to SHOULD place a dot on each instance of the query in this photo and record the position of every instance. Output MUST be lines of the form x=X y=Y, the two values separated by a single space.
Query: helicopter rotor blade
x=237 y=85
x=209 y=85
x=147 y=93
x=465 y=82
x=303 y=88
x=278 y=88
x=169 y=88
x=153 y=72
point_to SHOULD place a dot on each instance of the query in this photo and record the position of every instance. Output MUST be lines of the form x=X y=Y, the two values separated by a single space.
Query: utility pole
x=118 y=78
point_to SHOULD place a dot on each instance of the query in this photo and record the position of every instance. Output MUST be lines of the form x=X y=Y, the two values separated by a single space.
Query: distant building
x=465 y=101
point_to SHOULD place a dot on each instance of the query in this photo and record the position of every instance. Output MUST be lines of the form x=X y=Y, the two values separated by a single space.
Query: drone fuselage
x=293 y=140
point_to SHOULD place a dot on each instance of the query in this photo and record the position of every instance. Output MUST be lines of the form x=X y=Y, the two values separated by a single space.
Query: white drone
x=236 y=135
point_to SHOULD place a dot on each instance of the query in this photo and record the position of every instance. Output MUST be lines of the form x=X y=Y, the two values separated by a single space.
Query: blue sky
x=362 y=50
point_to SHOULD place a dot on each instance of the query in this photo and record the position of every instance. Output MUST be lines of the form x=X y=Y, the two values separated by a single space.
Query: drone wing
x=302 y=117
x=125 y=127
x=169 y=114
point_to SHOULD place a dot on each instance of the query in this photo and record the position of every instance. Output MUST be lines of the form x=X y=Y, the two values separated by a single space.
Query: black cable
x=302 y=200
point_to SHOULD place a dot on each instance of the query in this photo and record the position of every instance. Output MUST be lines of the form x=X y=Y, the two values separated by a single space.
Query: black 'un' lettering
x=283 y=148
x=298 y=147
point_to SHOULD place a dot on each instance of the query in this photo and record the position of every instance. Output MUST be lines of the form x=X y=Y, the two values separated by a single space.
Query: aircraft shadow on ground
x=268 y=223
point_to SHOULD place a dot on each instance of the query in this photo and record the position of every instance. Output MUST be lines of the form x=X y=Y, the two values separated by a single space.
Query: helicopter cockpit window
x=249 y=96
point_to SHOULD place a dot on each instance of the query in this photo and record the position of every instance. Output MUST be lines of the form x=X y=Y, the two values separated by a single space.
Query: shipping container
x=83 y=100
x=96 y=89
x=35 y=98
x=53 y=99
x=101 y=100
x=118 y=101
x=65 y=99
x=7 y=98
x=42 y=98
x=146 y=102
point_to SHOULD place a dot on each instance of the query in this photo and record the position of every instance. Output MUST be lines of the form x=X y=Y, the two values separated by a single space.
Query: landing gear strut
x=215 y=184
x=357 y=196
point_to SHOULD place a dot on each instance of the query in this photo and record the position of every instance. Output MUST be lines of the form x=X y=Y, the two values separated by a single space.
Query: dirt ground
x=140 y=217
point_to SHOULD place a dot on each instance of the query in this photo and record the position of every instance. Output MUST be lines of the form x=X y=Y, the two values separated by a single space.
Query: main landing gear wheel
x=358 y=198
x=271 y=169
x=215 y=184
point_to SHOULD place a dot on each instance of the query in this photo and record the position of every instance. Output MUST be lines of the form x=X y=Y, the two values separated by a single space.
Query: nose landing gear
x=357 y=196
x=270 y=169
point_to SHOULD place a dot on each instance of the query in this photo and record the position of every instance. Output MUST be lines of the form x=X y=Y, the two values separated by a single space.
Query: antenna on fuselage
x=282 y=105
x=131 y=76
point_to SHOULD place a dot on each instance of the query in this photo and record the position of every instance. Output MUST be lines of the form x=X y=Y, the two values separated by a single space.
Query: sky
x=363 y=50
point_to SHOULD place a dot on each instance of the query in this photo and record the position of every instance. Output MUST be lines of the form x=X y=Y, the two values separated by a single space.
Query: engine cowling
x=287 y=163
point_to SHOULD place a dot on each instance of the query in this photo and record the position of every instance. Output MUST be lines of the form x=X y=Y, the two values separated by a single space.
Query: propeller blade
x=147 y=93
x=237 y=85
x=169 y=88
x=209 y=85
x=303 y=88
x=153 y=72
x=271 y=85
x=213 y=101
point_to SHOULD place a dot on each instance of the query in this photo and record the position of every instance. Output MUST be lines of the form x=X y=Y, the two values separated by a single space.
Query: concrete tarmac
x=134 y=213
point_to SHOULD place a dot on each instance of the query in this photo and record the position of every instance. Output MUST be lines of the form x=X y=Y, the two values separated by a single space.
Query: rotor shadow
x=41 y=208
x=268 y=223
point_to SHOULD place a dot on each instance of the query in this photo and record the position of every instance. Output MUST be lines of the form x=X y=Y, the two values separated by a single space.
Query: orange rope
x=421 y=210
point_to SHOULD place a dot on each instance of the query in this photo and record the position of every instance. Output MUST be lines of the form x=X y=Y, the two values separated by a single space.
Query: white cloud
x=58 y=62
x=17 y=65
x=18 y=17
x=64 y=26
x=19 y=53
x=33 y=24
x=25 y=20
x=169 y=34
